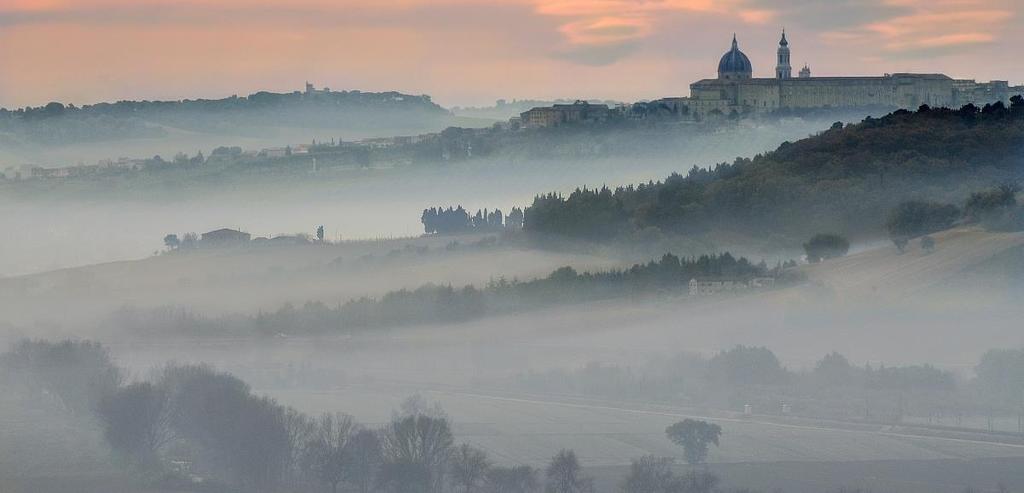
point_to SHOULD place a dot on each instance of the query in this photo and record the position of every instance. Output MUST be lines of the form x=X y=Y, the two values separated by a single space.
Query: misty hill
x=503 y=109
x=963 y=258
x=433 y=304
x=215 y=281
x=346 y=114
x=845 y=179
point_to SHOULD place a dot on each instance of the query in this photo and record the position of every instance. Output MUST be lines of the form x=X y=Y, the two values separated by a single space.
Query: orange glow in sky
x=475 y=51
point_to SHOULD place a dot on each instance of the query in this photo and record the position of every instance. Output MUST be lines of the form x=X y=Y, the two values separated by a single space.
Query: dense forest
x=845 y=179
x=438 y=304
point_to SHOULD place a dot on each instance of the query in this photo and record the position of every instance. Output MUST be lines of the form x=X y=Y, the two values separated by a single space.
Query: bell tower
x=783 y=70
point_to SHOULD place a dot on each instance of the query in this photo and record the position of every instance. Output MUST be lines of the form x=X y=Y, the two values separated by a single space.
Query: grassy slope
x=883 y=270
x=245 y=280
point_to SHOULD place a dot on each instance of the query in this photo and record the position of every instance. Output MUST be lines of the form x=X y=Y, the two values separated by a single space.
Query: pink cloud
x=602 y=30
x=932 y=24
x=617 y=21
x=757 y=16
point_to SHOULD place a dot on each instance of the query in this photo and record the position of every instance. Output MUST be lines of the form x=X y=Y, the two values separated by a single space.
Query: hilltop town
x=639 y=273
x=735 y=93
x=731 y=99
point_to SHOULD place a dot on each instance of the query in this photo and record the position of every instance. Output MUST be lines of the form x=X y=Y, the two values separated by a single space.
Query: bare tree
x=364 y=453
x=565 y=475
x=699 y=482
x=76 y=374
x=301 y=430
x=418 y=443
x=327 y=453
x=405 y=477
x=650 y=474
x=136 y=423
x=468 y=467
x=516 y=479
x=260 y=446
x=415 y=405
x=247 y=436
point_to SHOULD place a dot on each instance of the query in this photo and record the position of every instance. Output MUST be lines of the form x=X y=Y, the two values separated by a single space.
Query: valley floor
x=900 y=476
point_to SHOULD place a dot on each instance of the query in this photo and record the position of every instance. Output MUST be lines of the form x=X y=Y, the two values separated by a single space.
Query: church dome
x=735 y=64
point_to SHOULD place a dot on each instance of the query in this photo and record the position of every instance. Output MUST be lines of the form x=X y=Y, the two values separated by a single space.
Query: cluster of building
x=227 y=237
x=123 y=165
x=711 y=287
x=560 y=114
x=736 y=92
x=28 y=171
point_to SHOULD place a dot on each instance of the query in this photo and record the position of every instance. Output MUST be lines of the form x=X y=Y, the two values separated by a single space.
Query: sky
x=472 y=52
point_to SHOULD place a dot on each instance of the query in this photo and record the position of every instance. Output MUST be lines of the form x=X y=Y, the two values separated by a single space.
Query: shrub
x=984 y=204
x=826 y=246
x=916 y=218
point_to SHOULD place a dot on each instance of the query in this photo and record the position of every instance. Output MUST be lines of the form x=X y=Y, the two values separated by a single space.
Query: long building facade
x=736 y=91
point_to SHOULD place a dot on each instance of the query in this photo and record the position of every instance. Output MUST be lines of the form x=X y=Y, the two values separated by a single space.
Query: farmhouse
x=225 y=236
x=710 y=287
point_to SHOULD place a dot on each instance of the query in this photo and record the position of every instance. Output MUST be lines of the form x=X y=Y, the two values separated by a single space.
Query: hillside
x=254 y=278
x=845 y=179
x=883 y=271
x=57 y=132
x=56 y=123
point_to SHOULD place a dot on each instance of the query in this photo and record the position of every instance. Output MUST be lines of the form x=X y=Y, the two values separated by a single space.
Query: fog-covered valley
x=820 y=314
x=604 y=378
x=84 y=221
x=540 y=246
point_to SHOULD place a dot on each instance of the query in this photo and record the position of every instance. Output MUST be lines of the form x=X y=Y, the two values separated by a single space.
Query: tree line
x=190 y=422
x=438 y=220
x=832 y=388
x=191 y=425
x=994 y=208
x=750 y=366
x=438 y=304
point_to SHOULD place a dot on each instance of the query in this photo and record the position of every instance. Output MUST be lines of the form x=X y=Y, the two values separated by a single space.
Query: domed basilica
x=737 y=92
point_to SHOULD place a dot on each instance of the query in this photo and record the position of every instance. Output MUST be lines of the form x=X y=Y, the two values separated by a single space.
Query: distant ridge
x=56 y=123
x=257 y=99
